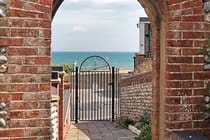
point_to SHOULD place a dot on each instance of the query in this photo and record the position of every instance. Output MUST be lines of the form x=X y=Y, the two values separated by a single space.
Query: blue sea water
x=122 y=60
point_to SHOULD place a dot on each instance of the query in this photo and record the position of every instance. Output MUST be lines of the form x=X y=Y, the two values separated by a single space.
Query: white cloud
x=79 y=28
x=87 y=24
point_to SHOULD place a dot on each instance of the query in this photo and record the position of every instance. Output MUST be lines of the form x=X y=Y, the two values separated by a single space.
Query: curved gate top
x=95 y=63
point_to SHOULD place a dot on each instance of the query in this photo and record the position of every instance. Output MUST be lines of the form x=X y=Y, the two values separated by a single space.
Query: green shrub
x=146 y=133
x=145 y=127
x=67 y=67
x=144 y=120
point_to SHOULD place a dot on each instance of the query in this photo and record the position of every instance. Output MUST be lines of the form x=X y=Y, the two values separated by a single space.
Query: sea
x=121 y=60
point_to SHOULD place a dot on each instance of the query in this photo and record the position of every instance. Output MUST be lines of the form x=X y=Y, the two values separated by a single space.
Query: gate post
x=113 y=91
x=76 y=95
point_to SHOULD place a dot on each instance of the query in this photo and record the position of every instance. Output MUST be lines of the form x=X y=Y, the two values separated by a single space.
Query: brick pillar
x=55 y=106
x=25 y=37
x=143 y=64
x=61 y=106
x=25 y=33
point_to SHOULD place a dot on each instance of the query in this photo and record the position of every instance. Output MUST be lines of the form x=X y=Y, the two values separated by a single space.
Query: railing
x=66 y=104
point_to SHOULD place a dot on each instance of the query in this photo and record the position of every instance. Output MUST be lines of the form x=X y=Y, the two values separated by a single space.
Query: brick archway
x=157 y=20
x=161 y=20
x=178 y=79
x=155 y=13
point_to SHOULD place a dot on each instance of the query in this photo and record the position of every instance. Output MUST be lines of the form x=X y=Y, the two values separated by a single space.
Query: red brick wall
x=178 y=70
x=143 y=64
x=25 y=85
x=178 y=28
x=185 y=73
x=136 y=96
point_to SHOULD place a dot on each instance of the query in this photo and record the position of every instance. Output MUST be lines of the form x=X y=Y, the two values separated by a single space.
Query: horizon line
x=95 y=51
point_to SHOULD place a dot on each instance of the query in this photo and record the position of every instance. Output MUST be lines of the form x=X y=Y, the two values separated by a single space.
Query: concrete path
x=98 y=130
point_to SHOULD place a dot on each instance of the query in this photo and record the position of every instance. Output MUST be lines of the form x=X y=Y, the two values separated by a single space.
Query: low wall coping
x=55 y=98
x=137 y=79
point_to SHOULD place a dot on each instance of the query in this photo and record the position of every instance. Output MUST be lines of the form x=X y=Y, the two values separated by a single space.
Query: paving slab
x=98 y=130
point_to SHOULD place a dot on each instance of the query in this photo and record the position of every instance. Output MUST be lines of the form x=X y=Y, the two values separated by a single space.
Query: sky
x=97 y=25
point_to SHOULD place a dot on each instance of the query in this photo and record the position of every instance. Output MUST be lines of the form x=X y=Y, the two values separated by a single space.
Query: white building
x=144 y=26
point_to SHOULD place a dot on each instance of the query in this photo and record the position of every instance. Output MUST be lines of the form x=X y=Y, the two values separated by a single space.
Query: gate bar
x=113 y=91
x=76 y=96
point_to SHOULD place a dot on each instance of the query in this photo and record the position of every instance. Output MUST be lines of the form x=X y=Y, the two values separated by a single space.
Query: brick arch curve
x=25 y=36
x=157 y=18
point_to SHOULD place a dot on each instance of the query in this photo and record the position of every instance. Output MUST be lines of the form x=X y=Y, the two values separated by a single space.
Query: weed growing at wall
x=205 y=105
x=206 y=53
x=206 y=50
x=145 y=134
x=144 y=125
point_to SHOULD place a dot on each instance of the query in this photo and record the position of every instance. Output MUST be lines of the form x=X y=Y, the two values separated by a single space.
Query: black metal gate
x=95 y=94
